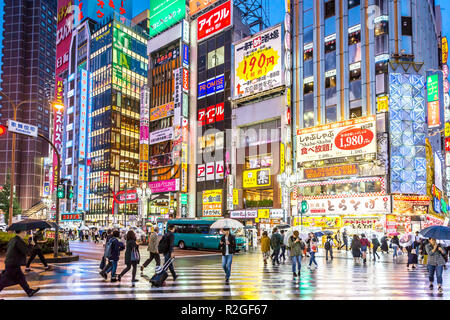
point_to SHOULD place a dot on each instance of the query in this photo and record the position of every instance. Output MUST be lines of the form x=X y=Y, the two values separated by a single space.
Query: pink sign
x=164 y=186
x=57 y=128
x=144 y=135
x=63 y=34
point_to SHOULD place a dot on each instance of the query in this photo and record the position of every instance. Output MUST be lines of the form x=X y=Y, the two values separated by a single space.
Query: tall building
x=359 y=85
x=117 y=72
x=28 y=74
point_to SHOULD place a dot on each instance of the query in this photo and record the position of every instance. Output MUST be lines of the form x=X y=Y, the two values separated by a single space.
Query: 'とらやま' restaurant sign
x=353 y=205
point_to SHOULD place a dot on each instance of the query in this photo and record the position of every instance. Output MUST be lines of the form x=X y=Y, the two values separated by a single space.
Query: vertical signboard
x=435 y=100
x=63 y=35
x=83 y=115
x=57 y=128
x=80 y=186
x=144 y=140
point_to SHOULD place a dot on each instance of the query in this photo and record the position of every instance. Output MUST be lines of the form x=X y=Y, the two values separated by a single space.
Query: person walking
x=296 y=246
x=265 y=246
x=37 y=242
x=282 y=247
x=436 y=262
x=16 y=256
x=412 y=254
x=228 y=248
x=345 y=240
x=384 y=244
x=132 y=256
x=356 y=248
x=395 y=243
x=365 y=245
x=152 y=249
x=166 y=246
x=375 y=246
x=81 y=235
x=275 y=244
x=337 y=237
x=329 y=247
x=115 y=246
x=313 y=249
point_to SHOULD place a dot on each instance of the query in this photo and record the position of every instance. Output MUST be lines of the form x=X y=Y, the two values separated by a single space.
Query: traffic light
x=69 y=193
x=61 y=192
x=304 y=206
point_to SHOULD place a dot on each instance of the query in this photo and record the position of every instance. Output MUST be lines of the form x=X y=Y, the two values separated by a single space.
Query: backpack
x=108 y=249
x=327 y=245
x=163 y=246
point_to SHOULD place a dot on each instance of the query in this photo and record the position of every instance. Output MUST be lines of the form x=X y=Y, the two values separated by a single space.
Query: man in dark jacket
x=108 y=237
x=228 y=248
x=170 y=238
x=344 y=240
x=116 y=247
x=38 y=241
x=275 y=243
x=16 y=256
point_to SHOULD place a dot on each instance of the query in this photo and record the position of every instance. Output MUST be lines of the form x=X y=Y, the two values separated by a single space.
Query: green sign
x=184 y=198
x=165 y=13
x=433 y=88
x=304 y=208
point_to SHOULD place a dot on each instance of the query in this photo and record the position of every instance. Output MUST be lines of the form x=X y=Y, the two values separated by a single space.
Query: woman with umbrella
x=395 y=243
x=436 y=262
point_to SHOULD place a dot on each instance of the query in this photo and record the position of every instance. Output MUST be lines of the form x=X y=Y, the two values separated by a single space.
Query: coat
x=16 y=254
x=231 y=247
x=276 y=241
x=153 y=243
x=265 y=244
x=131 y=244
x=295 y=247
x=116 y=247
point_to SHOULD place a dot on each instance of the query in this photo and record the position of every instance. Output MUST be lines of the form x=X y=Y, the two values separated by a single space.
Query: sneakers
x=33 y=292
x=113 y=279
x=431 y=287
x=440 y=290
x=119 y=278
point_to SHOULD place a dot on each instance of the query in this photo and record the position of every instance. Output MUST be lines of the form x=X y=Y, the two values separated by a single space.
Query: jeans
x=296 y=261
x=133 y=273
x=14 y=275
x=439 y=270
x=276 y=255
x=331 y=253
x=153 y=255
x=111 y=267
x=34 y=253
x=167 y=256
x=345 y=244
x=283 y=251
x=226 y=265
x=395 y=247
x=312 y=258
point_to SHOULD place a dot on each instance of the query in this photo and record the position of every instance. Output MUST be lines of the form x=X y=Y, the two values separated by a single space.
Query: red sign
x=210 y=114
x=220 y=112
x=202 y=116
x=447 y=144
x=353 y=138
x=63 y=34
x=213 y=21
x=433 y=114
x=185 y=79
x=131 y=197
x=70 y=217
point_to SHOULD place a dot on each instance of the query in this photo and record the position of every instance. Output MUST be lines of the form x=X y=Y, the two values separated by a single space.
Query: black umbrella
x=29 y=224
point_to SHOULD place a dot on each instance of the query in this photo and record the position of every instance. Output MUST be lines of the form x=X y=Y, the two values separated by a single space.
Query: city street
x=201 y=277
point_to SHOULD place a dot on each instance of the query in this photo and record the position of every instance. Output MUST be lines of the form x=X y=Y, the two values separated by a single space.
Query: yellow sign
x=444 y=50
x=264 y=213
x=257 y=178
x=212 y=203
x=281 y=157
x=288 y=97
x=447 y=129
x=322 y=222
x=258 y=64
x=383 y=104
x=256 y=220
x=235 y=197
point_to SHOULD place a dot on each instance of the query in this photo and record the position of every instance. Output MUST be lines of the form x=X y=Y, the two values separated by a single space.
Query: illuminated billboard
x=63 y=35
x=214 y=21
x=164 y=14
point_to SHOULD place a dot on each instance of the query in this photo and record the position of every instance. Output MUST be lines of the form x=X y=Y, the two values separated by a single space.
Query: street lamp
x=13 y=155
x=288 y=182
x=144 y=194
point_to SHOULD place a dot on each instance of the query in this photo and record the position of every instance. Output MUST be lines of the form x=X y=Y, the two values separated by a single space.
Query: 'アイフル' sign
x=214 y=21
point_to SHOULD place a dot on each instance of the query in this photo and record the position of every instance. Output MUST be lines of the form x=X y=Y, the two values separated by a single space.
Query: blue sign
x=201 y=90
x=436 y=205
x=46 y=189
x=22 y=128
x=185 y=55
x=212 y=86
x=220 y=83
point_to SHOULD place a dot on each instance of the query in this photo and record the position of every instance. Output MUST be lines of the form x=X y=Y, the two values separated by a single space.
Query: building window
x=308 y=88
x=356 y=112
x=354 y=14
x=330 y=26
x=216 y=57
x=308 y=110
x=330 y=9
x=331 y=114
x=353 y=3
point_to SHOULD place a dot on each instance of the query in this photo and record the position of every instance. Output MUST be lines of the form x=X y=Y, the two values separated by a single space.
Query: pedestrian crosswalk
x=250 y=279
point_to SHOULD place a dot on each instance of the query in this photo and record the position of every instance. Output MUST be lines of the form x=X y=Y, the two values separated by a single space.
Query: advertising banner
x=81 y=187
x=211 y=86
x=258 y=65
x=164 y=111
x=322 y=222
x=214 y=21
x=164 y=186
x=161 y=135
x=336 y=171
x=256 y=178
x=363 y=223
x=212 y=203
x=63 y=35
x=83 y=115
x=57 y=128
x=434 y=119
x=410 y=205
x=356 y=205
x=164 y=14
x=100 y=9
x=340 y=139
x=198 y=5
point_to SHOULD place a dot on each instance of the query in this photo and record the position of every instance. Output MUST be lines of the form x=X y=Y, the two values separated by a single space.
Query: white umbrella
x=83 y=228
x=226 y=224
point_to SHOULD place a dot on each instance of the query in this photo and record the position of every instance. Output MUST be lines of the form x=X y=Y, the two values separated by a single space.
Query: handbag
x=413 y=251
x=135 y=256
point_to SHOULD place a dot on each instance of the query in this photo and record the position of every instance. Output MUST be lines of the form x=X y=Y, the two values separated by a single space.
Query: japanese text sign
x=213 y=21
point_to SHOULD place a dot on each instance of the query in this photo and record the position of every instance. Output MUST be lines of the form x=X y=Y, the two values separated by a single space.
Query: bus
x=196 y=234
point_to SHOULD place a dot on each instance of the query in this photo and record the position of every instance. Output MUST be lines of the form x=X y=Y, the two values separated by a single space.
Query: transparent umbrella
x=226 y=224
